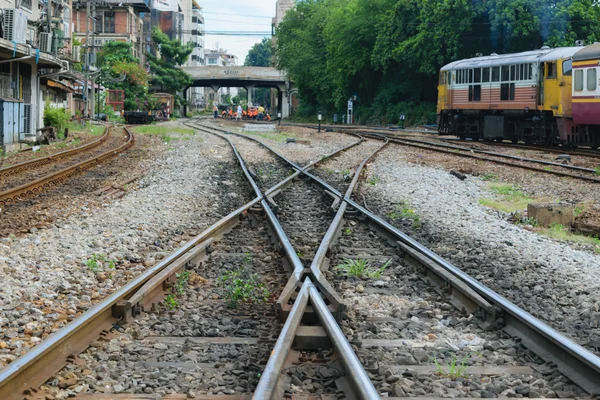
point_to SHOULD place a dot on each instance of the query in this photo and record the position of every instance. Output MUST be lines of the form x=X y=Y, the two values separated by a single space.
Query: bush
x=56 y=117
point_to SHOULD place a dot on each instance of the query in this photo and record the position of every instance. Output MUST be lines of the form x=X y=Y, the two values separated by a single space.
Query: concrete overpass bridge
x=249 y=78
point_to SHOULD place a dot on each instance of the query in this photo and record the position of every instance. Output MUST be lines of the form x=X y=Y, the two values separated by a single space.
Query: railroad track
x=312 y=355
x=549 y=167
x=31 y=178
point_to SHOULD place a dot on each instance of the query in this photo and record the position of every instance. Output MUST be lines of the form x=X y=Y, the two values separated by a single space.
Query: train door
x=540 y=80
x=566 y=73
x=443 y=91
x=551 y=87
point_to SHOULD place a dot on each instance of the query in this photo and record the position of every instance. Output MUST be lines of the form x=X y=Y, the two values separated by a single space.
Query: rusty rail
x=35 y=187
x=15 y=169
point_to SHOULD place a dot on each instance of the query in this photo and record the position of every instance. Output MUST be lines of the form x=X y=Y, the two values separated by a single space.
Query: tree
x=260 y=54
x=388 y=52
x=163 y=69
x=116 y=61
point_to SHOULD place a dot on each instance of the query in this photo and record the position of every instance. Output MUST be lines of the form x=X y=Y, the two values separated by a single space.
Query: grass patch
x=360 y=268
x=597 y=171
x=510 y=198
x=561 y=232
x=276 y=136
x=242 y=286
x=73 y=126
x=403 y=210
x=162 y=131
x=454 y=369
x=489 y=177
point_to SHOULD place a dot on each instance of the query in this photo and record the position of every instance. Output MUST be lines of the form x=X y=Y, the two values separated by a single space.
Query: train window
x=579 y=80
x=530 y=72
x=512 y=73
x=551 y=70
x=477 y=75
x=521 y=72
x=486 y=75
x=568 y=67
x=495 y=74
x=470 y=76
x=591 y=79
x=505 y=77
x=512 y=92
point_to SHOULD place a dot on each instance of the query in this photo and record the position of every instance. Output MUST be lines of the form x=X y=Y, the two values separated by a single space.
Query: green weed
x=597 y=171
x=454 y=369
x=403 y=210
x=511 y=199
x=347 y=231
x=241 y=286
x=373 y=180
x=360 y=268
x=171 y=301
x=547 y=168
x=247 y=258
x=92 y=263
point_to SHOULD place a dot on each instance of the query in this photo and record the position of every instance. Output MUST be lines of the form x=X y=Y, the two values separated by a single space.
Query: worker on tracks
x=216 y=111
x=261 y=112
x=238 y=114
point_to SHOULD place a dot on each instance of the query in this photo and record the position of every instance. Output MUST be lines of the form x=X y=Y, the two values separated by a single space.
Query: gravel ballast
x=552 y=280
x=48 y=278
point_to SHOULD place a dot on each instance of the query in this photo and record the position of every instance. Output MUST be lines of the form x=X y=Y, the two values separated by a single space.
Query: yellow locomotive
x=525 y=97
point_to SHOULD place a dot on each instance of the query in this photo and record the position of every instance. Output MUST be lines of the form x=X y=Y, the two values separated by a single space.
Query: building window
x=212 y=61
x=97 y=24
x=579 y=80
x=591 y=79
x=26 y=4
x=109 y=22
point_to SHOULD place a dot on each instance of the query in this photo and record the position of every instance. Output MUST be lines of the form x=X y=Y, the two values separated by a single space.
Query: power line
x=237 y=15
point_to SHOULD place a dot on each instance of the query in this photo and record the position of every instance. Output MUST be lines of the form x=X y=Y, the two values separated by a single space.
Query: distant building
x=281 y=8
x=193 y=32
x=219 y=58
x=115 y=20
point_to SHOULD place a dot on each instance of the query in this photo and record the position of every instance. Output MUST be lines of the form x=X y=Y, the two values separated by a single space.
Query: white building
x=193 y=32
x=220 y=58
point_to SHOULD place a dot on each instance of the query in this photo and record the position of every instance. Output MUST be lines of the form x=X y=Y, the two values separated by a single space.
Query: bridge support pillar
x=250 y=90
x=283 y=101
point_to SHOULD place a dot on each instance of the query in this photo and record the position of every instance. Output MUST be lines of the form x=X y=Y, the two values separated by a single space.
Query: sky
x=236 y=15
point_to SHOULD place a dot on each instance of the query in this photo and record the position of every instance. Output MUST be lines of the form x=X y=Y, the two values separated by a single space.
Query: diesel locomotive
x=545 y=97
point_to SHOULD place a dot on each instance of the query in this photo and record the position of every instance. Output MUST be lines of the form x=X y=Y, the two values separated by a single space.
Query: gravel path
x=550 y=279
x=402 y=327
x=46 y=281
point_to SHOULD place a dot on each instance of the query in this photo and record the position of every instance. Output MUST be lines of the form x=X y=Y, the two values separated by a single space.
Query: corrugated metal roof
x=591 y=52
x=514 y=58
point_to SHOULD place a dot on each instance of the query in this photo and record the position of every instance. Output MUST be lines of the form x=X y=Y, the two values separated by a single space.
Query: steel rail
x=43 y=361
x=270 y=376
x=14 y=169
x=572 y=360
x=39 y=185
x=495 y=154
x=434 y=147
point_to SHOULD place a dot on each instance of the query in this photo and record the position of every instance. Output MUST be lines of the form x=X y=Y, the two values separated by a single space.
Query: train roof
x=591 y=52
x=532 y=56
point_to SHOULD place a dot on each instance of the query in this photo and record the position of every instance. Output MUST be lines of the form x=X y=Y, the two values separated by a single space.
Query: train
x=160 y=109
x=549 y=96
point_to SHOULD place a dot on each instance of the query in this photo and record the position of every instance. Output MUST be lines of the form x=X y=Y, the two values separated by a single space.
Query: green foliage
x=116 y=61
x=241 y=286
x=260 y=54
x=403 y=210
x=360 y=268
x=99 y=261
x=56 y=117
x=388 y=52
x=171 y=301
x=164 y=69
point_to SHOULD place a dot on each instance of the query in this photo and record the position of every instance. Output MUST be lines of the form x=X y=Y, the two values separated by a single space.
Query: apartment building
x=25 y=59
x=193 y=32
x=111 y=20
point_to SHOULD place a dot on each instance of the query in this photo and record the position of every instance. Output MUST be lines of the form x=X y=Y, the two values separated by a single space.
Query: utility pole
x=93 y=96
x=87 y=59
